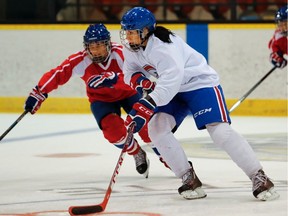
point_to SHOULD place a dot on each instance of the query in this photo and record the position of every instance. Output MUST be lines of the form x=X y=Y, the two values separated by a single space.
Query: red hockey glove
x=141 y=113
x=35 y=99
x=141 y=83
x=106 y=79
x=278 y=60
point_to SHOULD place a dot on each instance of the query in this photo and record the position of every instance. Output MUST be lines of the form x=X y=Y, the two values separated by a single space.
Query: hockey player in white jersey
x=184 y=83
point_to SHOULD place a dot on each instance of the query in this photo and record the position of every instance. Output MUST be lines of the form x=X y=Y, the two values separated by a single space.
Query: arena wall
x=238 y=52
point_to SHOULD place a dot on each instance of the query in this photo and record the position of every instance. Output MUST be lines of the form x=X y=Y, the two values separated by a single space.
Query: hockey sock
x=116 y=133
x=163 y=139
x=236 y=147
x=133 y=147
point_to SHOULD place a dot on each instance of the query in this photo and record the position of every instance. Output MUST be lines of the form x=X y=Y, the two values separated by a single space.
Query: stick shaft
x=82 y=210
x=13 y=125
x=117 y=168
x=251 y=90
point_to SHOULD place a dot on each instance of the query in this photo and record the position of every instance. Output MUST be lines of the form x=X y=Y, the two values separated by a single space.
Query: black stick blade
x=82 y=210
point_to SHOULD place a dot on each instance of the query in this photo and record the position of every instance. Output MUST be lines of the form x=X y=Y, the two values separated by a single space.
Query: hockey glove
x=106 y=79
x=141 y=83
x=278 y=60
x=35 y=99
x=141 y=113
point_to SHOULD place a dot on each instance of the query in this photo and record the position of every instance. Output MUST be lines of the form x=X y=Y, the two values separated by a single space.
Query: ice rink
x=50 y=162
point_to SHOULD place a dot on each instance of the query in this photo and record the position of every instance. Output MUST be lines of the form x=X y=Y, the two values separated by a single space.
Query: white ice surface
x=50 y=162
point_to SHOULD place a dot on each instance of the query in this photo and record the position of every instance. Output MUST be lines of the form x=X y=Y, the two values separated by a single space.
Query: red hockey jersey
x=278 y=43
x=79 y=64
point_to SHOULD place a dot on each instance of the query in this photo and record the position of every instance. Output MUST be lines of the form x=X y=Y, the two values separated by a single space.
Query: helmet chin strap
x=285 y=33
x=145 y=38
x=107 y=57
x=99 y=59
x=136 y=47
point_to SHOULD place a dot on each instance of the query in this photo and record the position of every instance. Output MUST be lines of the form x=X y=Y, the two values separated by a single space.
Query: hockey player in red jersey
x=278 y=43
x=99 y=65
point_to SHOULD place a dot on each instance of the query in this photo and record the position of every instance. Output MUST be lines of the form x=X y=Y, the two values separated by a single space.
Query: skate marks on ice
x=65 y=213
x=50 y=135
x=159 y=195
x=48 y=192
x=55 y=201
x=67 y=155
x=268 y=147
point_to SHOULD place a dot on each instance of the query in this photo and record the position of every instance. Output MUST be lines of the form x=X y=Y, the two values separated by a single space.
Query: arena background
x=238 y=52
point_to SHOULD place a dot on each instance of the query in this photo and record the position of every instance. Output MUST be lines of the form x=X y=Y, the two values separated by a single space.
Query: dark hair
x=163 y=34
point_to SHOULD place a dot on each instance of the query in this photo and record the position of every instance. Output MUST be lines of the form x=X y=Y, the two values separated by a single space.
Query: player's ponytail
x=163 y=34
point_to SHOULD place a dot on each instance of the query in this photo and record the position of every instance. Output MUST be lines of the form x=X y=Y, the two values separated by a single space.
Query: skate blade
x=268 y=195
x=198 y=193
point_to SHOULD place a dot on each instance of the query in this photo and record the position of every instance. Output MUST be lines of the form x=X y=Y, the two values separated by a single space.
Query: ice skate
x=191 y=188
x=142 y=163
x=263 y=188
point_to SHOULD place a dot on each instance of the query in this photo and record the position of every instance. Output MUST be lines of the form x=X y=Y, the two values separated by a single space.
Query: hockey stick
x=13 y=125
x=82 y=210
x=252 y=89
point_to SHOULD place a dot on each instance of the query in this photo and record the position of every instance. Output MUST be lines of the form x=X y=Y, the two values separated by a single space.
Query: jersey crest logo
x=151 y=70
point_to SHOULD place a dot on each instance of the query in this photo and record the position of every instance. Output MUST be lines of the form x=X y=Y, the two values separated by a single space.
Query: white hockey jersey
x=176 y=66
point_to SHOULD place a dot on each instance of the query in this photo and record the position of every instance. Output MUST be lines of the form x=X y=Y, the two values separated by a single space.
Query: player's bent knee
x=160 y=125
x=113 y=129
x=219 y=132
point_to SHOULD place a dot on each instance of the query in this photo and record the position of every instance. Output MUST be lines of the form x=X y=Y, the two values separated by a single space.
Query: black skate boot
x=191 y=188
x=142 y=163
x=263 y=188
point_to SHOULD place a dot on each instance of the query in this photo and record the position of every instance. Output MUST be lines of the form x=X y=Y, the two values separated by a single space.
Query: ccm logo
x=145 y=110
x=202 y=112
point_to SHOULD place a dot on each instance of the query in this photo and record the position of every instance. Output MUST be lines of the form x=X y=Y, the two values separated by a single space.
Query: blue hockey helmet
x=281 y=14
x=281 y=19
x=97 y=33
x=138 y=18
